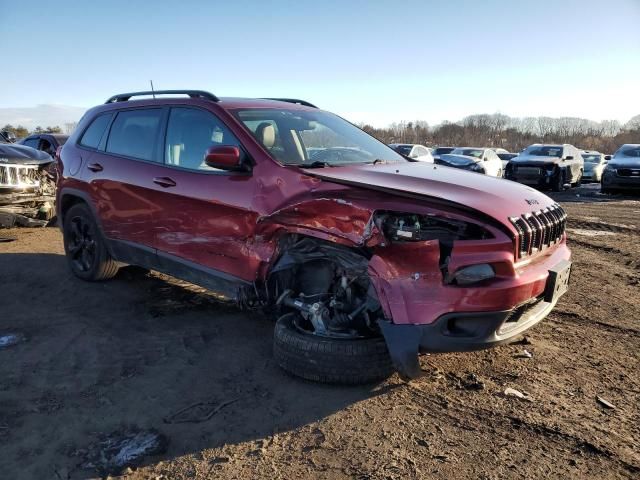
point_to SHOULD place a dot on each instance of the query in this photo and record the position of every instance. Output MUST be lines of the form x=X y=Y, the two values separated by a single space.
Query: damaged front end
x=396 y=278
x=27 y=187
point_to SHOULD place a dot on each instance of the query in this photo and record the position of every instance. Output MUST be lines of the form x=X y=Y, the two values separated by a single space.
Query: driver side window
x=190 y=132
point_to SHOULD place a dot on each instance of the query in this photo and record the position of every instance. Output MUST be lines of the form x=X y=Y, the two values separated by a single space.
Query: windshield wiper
x=316 y=164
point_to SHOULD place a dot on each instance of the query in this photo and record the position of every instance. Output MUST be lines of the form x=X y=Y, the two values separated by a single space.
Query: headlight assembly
x=407 y=227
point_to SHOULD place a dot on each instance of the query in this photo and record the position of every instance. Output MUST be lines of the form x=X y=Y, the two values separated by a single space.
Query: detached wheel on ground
x=324 y=359
x=84 y=246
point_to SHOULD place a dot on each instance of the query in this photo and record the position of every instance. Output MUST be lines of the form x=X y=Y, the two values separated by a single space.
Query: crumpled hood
x=458 y=160
x=498 y=198
x=522 y=158
x=14 y=153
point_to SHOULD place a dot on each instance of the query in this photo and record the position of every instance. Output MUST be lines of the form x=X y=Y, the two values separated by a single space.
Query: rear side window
x=134 y=134
x=92 y=135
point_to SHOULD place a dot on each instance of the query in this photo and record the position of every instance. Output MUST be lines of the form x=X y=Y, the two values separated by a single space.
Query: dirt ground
x=133 y=352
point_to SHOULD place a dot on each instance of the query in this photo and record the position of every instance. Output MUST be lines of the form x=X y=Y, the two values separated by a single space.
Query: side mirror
x=224 y=157
x=607 y=158
x=570 y=157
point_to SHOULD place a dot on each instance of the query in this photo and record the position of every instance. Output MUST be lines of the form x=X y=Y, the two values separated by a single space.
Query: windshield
x=591 y=158
x=442 y=150
x=544 y=151
x=469 y=152
x=313 y=138
x=633 y=152
x=507 y=156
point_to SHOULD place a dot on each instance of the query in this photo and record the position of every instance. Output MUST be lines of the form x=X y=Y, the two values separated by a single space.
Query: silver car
x=411 y=150
x=594 y=163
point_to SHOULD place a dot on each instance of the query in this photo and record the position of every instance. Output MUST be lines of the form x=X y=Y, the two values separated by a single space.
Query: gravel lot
x=146 y=352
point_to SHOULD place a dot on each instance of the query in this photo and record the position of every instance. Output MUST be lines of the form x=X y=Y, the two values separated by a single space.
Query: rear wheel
x=85 y=247
x=349 y=361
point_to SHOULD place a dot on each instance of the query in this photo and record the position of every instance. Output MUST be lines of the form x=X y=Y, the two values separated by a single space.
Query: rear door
x=120 y=174
x=203 y=217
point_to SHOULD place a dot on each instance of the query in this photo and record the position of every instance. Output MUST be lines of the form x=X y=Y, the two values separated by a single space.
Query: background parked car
x=481 y=160
x=594 y=163
x=552 y=166
x=436 y=152
x=623 y=170
x=417 y=152
x=7 y=137
x=27 y=186
x=46 y=142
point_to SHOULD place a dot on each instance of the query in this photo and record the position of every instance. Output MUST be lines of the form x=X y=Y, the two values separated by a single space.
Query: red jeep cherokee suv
x=370 y=258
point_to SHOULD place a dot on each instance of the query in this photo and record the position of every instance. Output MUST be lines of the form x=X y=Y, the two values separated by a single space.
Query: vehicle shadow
x=141 y=351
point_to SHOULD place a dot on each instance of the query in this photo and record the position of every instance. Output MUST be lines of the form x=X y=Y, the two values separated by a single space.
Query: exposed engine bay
x=329 y=286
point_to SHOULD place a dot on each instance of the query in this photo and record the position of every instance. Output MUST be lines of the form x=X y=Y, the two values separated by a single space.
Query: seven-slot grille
x=18 y=176
x=539 y=230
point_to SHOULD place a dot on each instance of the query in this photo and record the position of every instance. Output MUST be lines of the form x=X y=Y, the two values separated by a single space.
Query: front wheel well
x=67 y=201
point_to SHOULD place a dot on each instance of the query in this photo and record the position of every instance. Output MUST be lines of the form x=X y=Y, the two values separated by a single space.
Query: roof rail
x=123 y=97
x=293 y=100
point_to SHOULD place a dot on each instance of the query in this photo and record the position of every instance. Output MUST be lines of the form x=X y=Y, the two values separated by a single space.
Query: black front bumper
x=538 y=175
x=613 y=180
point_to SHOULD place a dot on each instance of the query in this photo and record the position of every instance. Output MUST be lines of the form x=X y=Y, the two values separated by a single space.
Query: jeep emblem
x=531 y=201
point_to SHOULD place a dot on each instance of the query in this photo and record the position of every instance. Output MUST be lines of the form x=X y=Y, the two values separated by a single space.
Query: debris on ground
x=10 y=220
x=472 y=382
x=524 y=354
x=10 y=339
x=605 y=403
x=7 y=239
x=512 y=392
x=198 y=412
x=115 y=452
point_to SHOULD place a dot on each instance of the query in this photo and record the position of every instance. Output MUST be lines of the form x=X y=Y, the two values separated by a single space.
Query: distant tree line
x=513 y=134
x=484 y=130
x=20 y=132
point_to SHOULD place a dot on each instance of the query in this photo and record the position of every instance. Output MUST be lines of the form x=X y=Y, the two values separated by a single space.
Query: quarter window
x=190 y=133
x=93 y=135
x=134 y=133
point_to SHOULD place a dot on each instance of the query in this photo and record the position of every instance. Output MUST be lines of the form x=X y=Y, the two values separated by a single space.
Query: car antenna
x=152 y=90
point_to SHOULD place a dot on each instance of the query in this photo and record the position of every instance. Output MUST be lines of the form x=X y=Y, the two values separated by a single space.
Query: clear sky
x=370 y=61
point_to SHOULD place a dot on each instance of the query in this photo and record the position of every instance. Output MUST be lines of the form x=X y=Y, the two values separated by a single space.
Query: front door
x=204 y=216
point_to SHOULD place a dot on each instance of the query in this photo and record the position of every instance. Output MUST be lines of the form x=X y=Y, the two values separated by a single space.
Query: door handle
x=95 y=167
x=164 y=182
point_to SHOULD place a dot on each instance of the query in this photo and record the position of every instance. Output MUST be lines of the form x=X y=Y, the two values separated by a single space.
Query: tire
x=329 y=360
x=557 y=184
x=85 y=247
